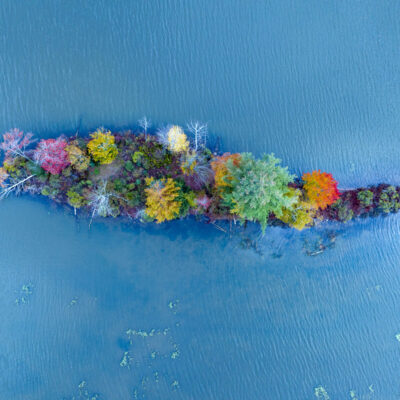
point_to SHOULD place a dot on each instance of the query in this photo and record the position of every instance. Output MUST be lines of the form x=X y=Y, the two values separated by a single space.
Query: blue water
x=186 y=310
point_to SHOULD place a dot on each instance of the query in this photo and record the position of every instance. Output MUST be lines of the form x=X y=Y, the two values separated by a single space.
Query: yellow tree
x=177 y=140
x=162 y=199
x=102 y=147
x=78 y=159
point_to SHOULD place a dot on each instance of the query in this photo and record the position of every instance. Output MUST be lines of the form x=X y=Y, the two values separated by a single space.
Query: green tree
x=259 y=188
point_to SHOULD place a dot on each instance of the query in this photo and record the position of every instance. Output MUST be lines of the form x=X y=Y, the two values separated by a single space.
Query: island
x=172 y=174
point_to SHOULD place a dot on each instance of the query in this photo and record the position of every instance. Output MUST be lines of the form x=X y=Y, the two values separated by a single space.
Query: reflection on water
x=188 y=310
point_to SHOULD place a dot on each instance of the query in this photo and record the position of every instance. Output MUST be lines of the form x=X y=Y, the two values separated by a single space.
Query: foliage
x=75 y=199
x=77 y=158
x=196 y=170
x=15 y=142
x=3 y=177
x=50 y=154
x=301 y=214
x=389 y=200
x=162 y=199
x=344 y=211
x=174 y=139
x=259 y=188
x=365 y=197
x=102 y=147
x=321 y=189
x=222 y=177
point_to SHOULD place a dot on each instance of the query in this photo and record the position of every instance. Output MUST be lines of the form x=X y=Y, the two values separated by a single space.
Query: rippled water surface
x=186 y=310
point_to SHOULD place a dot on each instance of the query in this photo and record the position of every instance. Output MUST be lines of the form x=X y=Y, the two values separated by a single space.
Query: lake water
x=185 y=310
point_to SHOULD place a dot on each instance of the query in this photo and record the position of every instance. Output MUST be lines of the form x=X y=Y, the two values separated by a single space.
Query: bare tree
x=99 y=202
x=145 y=124
x=199 y=132
x=15 y=185
x=15 y=142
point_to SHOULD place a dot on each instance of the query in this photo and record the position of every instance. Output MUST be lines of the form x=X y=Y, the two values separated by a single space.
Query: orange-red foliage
x=221 y=173
x=321 y=189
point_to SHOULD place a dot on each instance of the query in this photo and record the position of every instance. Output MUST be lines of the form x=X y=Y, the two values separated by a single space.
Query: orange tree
x=222 y=177
x=320 y=189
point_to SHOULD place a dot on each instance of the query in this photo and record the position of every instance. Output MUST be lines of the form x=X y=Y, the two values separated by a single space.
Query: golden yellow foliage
x=177 y=140
x=221 y=174
x=77 y=158
x=161 y=199
x=102 y=147
x=301 y=215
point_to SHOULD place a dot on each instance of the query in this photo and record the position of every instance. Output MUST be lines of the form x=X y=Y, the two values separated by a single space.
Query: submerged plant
x=102 y=147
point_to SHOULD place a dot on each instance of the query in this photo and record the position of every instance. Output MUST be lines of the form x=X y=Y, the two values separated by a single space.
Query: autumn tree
x=174 y=139
x=162 y=199
x=301 y=214
x=222 y=176
x=78 y=159
x=320 y=188
x=102 y=147
x=50 y=154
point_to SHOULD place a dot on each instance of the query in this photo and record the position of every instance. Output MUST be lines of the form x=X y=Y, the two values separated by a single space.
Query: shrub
x=389 y=200
x=50 y=154
x=196 y=170
x=77 y=158
x=258 y=188
x=344 y=211
x=3 y=177
x=102 y=147
x=75 y=199
x=162 y=199
x=365 y=197
x=129 y=166
x=320 y=188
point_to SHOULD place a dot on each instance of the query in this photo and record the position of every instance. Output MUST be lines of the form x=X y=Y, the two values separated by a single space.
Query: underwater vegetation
x=172 y=174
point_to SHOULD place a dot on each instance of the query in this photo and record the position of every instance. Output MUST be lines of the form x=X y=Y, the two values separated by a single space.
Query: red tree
x=51 y=156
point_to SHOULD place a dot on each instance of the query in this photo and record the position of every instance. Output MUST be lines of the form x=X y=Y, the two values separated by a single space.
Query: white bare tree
x=199 y=132
x=99 y=202
x=145 y=124
x=13 y=186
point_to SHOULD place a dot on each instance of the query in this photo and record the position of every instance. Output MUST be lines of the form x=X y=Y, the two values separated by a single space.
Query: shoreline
x=170 y=175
